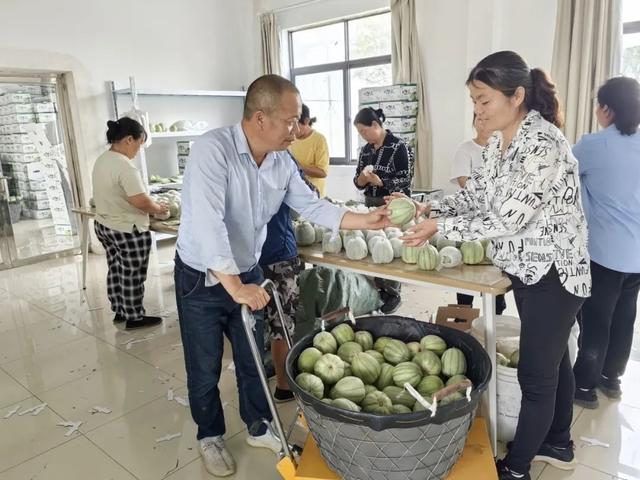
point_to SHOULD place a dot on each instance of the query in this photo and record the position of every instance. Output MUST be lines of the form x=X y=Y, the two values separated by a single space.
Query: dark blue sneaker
x=586 y=398
x=559 y=457
x=504 y=473
x=610 y=387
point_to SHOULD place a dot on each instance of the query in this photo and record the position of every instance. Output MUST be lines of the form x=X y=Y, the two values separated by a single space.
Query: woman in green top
x=122 y=221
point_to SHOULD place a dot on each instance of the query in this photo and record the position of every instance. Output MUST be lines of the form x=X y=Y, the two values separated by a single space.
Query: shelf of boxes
x=400 y=106
x=20 y=113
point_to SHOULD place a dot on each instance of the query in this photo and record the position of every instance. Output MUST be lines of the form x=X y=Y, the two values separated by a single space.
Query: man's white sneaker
x=217 y=459
x=268 y=440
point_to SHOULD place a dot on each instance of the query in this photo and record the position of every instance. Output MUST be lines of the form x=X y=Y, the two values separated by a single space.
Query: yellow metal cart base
x=475 y=462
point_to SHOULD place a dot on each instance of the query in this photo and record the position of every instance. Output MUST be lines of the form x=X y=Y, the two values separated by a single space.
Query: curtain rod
x=291 y=7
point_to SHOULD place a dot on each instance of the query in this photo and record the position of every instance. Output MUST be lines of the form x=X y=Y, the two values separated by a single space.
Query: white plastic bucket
x=508 y=388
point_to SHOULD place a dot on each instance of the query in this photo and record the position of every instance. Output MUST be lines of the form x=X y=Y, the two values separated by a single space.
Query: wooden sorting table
x=86 y=215
x=484 y=280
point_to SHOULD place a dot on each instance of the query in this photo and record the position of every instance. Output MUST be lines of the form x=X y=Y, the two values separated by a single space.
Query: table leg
x=85 y=249
x=489 y=310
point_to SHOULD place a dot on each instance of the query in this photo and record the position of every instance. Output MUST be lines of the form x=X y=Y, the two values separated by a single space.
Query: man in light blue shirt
x=609 y=162
x=236 y=179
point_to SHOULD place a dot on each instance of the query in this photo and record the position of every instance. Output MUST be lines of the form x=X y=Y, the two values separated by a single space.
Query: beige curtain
x=270 y=37
x=587 y=51
x=406 y=62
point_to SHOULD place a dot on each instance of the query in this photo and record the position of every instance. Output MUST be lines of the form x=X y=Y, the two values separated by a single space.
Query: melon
x=453 y=362
x=345 y=404
x=472 y=252
x=365 y=367
x=386 y=376
x=325 y=342
x=399 y=396
x=434 y=343
x=377 y=403
x=331 y=243
x=343 y=333
x=396 y=352
x=365 y=339
x=347 y=350
x=450 y=257
x=305 y=234
x=403 y=210
x=351 y=388
x=428 y=362
x=356 y=248
x=382 y=251
x=397 y=246
x=410 y=254
x=406 y=372
x=430 y=385
x=311 y=384
x=308 y=359
x=377 y=355
x=428 y=258
x=399 y=409
x=329 y=368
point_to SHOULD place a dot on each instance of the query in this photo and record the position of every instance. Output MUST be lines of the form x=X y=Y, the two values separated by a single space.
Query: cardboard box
x=44 y=107
x=401 y=124
x=38 y=214
x=408 y=138
x=9 y=98
x=38 y=195
x=20 y=157
x=46 y=117
x=16 y=108
x=17 y=118
x=22 y=147
x=13 y=128
x=457 y=316
x=184 y=147
x=38 y=204
x=387 y=93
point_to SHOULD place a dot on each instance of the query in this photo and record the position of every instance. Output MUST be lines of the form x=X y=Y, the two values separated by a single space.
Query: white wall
x=192 y=44
x=454 y=36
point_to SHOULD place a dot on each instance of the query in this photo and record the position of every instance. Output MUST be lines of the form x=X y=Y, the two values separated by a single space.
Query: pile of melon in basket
x=353 y=371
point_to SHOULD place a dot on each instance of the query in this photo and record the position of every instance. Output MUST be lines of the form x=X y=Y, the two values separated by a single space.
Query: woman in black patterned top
x=526 y=199
x=385 y=165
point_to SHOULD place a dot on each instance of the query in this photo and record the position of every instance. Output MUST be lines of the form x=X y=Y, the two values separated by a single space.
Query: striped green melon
x=330 y=368
x=320 y=231
x=351 y=388
x=472 y=252
x=430 y=385
x=347 y=369
x=450 y=257
x=308 y=359
x=386 y=376
x=365 y=339
x=396 y=352
x=403 y=210
x=399 y=396
x=369 y=234
x=343 y=333
x=429 y=362
x=345 y=404
x=377 y=355
x=410 y=254
x=399 y=409
x=311 y=384
x=377 y=403
x=414 y=347
x=365 y=367
x=428 y=258
x=327 y=401
x=325 y=342
x=454 y=397
x=502 y=360
x=380 y=343
x=442 y=242
x=370 y=388
x=348 y=350
x=456 y=379
x=433 y=343
x=514 y=359
x=418 y=406
x=454 y=362
x=406 y=372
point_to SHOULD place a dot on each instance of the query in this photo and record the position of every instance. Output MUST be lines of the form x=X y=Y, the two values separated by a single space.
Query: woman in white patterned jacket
x=526 y=199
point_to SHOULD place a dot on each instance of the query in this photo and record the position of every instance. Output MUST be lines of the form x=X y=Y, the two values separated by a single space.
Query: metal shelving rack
x=134 y=93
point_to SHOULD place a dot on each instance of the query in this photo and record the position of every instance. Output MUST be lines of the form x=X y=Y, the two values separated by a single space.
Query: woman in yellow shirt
x=311 y=151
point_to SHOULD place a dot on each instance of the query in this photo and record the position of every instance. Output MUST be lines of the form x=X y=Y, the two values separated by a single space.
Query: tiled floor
x=58 y=346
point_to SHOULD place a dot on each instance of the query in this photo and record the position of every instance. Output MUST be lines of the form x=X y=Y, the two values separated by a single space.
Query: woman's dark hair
x=368 y=115
x=307 y=115
x=506 y=71
x=124 y=127
x=621 y=95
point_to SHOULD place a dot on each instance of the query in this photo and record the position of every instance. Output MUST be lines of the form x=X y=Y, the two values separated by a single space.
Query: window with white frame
x=330 y=63
x=631 y=39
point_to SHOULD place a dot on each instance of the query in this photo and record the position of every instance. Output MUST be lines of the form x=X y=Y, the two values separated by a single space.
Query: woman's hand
x=421 y=208
x=419 y=234
x=375 y=180
x=161 y=208
x=367 y=177
x=375 y=220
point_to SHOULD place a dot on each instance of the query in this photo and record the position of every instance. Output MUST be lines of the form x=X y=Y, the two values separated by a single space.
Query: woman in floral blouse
x=527 y=200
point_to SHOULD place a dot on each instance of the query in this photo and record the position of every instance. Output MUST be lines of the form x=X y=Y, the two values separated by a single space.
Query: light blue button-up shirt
x=227 y=201
x=610 y=176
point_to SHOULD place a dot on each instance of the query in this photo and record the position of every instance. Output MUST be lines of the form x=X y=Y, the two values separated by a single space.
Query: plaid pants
x=128 y=259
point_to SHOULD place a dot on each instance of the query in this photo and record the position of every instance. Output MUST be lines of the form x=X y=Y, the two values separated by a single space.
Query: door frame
x=67 y=110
